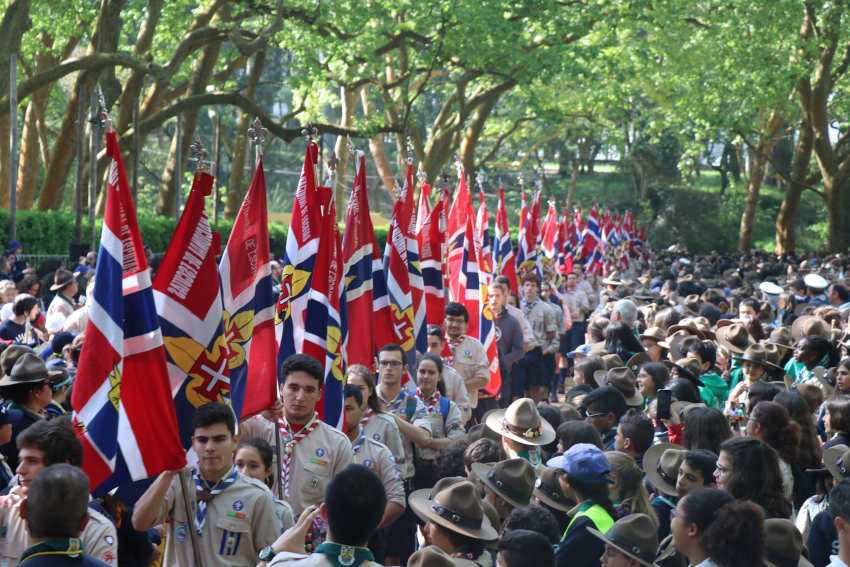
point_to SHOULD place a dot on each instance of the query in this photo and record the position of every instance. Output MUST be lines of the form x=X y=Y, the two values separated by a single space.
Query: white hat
x=815 y=281
x=770 y=288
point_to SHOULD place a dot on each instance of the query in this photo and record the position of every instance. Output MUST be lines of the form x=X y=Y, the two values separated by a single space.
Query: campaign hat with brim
x=689 y=326
x=521 y=422
x=548 y=490
x=634 y=535
x=733 y=337
x=430 y=556
x=656 y=334
x=689 y=368
x=10 y=356
x=62 y=278
x=781 y=337
x=757 y=355
x=638 y=360
x=680 y=343
x=456 y=508
x=512 y=480
x=837 y=461
x=806 y=325
x=661 y=464
x=29 y=369
x=623 y=379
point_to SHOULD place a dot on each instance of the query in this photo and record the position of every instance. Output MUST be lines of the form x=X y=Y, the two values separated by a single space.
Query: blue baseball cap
x=581 y=349
x=583 y=462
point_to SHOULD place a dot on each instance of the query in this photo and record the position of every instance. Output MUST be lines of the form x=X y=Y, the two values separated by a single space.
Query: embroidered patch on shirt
x=238 y=505
x=320 y=452
x=238 y=515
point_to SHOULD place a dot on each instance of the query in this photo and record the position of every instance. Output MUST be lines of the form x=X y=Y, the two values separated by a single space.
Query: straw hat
x=548 y=490
x=456 y=508
x=521 y=422
x=806 y=325
x=734 y=337
x=661 y=464
x=513 y=480
x=634 y=535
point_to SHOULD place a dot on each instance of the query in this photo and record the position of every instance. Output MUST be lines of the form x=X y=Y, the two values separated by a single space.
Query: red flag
x=482 y=236
x=366 y=297
x=430 y=249
x=468 y=280
x=424 y=206
x=504 y=252
x=550 y=231
x=459 y=214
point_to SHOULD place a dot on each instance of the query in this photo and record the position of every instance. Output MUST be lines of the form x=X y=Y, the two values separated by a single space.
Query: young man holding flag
x=232 y=516
x=510 y=338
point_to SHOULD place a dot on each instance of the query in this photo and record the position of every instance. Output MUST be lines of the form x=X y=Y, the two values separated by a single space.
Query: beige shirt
x=589 y=291
x=451 y=428
x=456 y=391
x=527 y=333
x=313 y=560
x=381 y=427
x=99 y=537
x=377 y=457
x=315 y=460
x=240 y=521
x=283 y=511
x=470 y=361
x=543 y=322
x=577 y=302
x=398 y=407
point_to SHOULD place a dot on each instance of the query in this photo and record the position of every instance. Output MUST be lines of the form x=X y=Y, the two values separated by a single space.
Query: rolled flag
x=503 y=251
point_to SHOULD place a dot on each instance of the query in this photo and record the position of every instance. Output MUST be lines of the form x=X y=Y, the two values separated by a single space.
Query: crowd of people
x=692 y=410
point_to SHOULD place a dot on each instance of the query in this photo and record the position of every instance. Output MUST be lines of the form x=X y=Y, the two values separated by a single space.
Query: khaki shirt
x=527 y=333
x=451 y=428
x=283 y=511
x=543 y=321
x=381 y=427
x=239 y=523
x=378 y=458
x=577 y=302
x=99 y=537
x=470 y=361
x=313 y=560
x=315 y=460
x=456 y=391
x=419 y=419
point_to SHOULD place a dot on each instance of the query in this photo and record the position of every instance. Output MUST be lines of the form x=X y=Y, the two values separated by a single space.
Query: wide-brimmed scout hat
x=613 y=279
x=688 y=325
x=734 y=337
x=757 y=355
x=456 y=508
x=837 y=461
x=548 y=490
x=623 y=379
x=689 y=368
x=512 y=479
x=806 y=325
x=638 y=360
x=679 y=343
x=29 y=369
x=661 y=464
x=62 y=278
x=634 y=535
x=10 y=356
x=430 y=556
x=521 y=422
x=783 y=544
x=656 y=334
x=781 y=337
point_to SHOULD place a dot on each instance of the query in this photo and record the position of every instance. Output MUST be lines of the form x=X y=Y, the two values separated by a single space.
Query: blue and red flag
x=249 y=304
x=302 y=242
x=324 y=325
x=121 y=398
x=366 y=296
x=414 y=268
x=459 y=213
x=503 y=251
x=430 y=239
x=469 y=281
x=482 y=236
x=398 y=279
x=188 y=300
x=424 y=206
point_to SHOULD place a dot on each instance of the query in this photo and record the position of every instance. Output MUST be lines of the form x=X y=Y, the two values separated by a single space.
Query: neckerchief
x=206 y=492
x=532 y=455
x=360 y=441
x=62 y=547
x=290 y=440
x=345 y=555
x=394 y=406
x=431 y=402
x=365 y=419
x=452 y=344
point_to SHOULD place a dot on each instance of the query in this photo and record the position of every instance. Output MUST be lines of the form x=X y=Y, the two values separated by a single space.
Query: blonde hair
x=629 y=478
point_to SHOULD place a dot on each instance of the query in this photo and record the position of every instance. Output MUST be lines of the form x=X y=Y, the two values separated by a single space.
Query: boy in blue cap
x=584 y=479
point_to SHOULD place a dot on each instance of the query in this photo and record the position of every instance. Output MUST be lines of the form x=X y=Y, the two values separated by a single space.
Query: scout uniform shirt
x=456 y=391
x=470 y=361
x=542 y=320
x=59 y=551
x=450 y=426
x=315 y=459
x=99 y=537
x=381 y=427
x=235 y=524
x=377 y=458
x=407 y=406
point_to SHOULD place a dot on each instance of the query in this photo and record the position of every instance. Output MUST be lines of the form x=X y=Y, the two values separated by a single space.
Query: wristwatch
x=267 y=554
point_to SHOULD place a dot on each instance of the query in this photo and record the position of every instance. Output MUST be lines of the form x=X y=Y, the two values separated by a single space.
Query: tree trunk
x=757 y=168
x=473 y=132
x=786 y=219
x=236 y=186
x=348 y=98
x=571 y=192
x=15 y=23
x=378 y=151
x=31 y=142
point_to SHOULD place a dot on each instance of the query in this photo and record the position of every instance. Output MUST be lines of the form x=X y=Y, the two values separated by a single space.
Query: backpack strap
x=444 y=408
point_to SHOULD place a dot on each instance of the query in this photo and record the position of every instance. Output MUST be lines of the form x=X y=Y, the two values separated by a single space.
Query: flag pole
x=196 y=550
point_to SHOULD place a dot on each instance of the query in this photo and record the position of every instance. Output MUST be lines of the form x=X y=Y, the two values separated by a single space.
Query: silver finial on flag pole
x=258 y=135
x=199 y=154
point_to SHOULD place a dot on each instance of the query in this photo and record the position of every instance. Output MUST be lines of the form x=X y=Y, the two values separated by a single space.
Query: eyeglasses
x=389 y=363
x=721 y=469
x=586 y=413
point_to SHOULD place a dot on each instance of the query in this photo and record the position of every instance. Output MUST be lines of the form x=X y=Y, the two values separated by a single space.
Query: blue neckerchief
x=207 y=492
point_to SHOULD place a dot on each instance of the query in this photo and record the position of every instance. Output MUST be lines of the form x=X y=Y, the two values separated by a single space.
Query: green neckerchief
x=67 y=547
x=531 y=455
x=345 y=555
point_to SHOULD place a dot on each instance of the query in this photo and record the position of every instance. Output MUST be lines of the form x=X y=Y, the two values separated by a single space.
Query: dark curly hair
x=706 y=428
x=736 y=537
x=755 y=475
x=777 y=429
